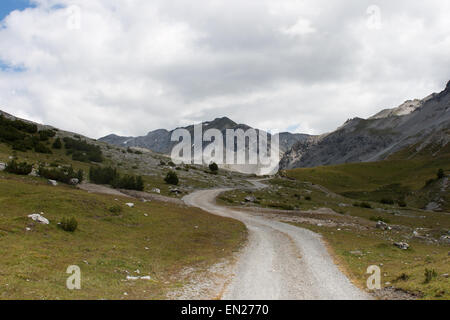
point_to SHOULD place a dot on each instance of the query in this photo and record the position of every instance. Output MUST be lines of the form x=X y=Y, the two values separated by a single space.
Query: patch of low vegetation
x=83 y=151
x=69 y=224
x=110 y=175
x=172 y=178
x=430 y=275
x=62 y=174
x=23 y=136
x=214 y=168
x=20 y=168
x=402 y=181
x=362 y=205
x=115 y=209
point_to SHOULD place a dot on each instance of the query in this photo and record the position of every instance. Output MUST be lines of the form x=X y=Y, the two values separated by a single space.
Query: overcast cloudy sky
x=130 y=66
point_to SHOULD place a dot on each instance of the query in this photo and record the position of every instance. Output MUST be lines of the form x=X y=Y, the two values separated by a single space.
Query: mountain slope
x=159 y=140
x=422 y=123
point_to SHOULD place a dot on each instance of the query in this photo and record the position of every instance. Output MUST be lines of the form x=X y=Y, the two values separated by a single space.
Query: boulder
x=250 y=199
x=156 y=190
x=2 y=166
x=39 y=218
x=445 y=239
x=402 y=245
x=52 y=183
x=131 y=205
x=34 y=173
x=74 y=181
x=382 y=225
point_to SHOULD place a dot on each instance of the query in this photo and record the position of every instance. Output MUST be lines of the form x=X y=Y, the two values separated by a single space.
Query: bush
x=57 y=144
x=387 y=201
x=40 y=148
x=282 y=206
x=116 y=209
x=109 y=175
x=83 y=151
x=362 y=205
x=214 y=167
x=429 y=275
x=44 y=135
x=63 y=175
x=402 y=203
x=104 y=175
x=440 y=174
x=22 y=168
x=308 y=198
x=69 y=224
x=172 y=178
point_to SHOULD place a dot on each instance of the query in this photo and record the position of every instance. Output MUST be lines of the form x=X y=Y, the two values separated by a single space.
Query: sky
x=131 y=66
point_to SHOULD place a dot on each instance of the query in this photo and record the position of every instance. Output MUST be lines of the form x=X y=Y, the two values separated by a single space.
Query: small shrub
x=281 y=206
x=387 y=201
x=308 y=198
x=429 y=275
x=172 y=178
x=69 y=224
x=402 y=203
x=40 y=148
x=64 y=174
x=22 y=168
x=214 y=167
x=362 y=205
x=440 y=174
x=402 y=277
x=116 y=209
x=57 y=144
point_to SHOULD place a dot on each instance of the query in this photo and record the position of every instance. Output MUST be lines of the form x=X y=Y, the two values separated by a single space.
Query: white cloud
x=300 y=28
x=134 y=66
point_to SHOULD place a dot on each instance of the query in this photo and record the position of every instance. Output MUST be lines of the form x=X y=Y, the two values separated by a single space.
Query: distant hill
x=159 y=140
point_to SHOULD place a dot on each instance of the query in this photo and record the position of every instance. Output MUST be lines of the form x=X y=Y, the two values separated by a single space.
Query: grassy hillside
x=389 y=179
x=158 y=239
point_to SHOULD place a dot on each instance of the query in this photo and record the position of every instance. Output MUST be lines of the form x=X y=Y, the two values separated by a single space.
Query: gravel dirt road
x=280 y=261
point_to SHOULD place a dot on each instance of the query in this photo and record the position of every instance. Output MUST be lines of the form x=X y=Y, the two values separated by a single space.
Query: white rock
x=39 y=218
x=2 y=166
x=74 y=181
x=156 y=190
x=131 y=205
x=52 y=182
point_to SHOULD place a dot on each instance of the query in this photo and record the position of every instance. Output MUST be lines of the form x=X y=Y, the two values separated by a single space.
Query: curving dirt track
x=280 y=261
